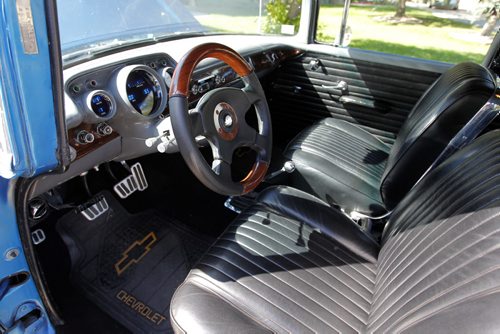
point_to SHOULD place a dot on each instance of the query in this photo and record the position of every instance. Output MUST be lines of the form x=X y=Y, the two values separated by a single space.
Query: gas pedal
x=94 y=208
x=136 y=181
x=140 y=177
x=38 y=236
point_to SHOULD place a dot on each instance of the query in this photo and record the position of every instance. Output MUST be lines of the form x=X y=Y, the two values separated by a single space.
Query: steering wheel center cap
x=226 y=121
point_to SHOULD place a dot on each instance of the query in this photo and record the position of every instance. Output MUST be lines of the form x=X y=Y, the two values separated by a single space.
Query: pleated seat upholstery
x=293 y=264
x=340 y=163
x=302 y=279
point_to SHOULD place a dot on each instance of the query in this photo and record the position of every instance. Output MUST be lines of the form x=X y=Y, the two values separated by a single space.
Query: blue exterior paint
x=9 y=239
x=28 y=93
x=26 y=86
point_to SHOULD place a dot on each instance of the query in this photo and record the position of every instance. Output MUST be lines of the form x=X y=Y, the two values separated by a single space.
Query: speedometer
x=143 y=92
x=142 y=89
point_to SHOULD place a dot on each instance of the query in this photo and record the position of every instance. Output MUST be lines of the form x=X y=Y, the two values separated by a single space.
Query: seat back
x=439 y=265
x=436 y=118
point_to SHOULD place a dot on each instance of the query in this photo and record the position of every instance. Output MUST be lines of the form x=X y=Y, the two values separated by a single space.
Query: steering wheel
x=219 y=116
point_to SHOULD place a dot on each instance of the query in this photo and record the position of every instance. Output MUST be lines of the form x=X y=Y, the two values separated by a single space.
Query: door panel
x=381 y=90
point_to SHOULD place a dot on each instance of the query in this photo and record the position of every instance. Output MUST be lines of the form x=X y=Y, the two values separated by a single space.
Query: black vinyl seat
x=346 y=166
x=293 y=264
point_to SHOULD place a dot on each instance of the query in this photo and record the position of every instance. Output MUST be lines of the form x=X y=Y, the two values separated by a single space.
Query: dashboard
x=126 y=99
x=117 y=106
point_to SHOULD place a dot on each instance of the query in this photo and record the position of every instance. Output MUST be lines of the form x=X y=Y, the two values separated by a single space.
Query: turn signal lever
x=163 y=141
x=288 y=167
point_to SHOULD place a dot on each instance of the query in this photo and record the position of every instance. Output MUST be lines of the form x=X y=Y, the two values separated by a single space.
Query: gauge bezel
x=121 y=86
x=93 y=116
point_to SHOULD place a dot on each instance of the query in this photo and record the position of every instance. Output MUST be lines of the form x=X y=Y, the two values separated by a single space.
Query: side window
x=451 y=31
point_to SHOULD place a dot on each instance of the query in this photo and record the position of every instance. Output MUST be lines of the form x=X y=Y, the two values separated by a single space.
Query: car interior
x=224 y=184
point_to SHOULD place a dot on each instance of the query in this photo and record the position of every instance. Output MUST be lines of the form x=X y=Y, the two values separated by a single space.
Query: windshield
x=87 y=25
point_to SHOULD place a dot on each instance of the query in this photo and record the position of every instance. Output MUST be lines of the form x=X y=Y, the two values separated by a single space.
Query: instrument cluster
x=138 y=87
x=134 y=91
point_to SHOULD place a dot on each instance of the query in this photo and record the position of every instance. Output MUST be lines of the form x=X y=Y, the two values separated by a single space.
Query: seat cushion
x=340 y=163
x=292 y=264
x=276 y=271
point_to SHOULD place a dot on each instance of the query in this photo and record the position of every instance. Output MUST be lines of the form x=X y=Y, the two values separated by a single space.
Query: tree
x=280 y=12
x=401 y=9
x=491 y=18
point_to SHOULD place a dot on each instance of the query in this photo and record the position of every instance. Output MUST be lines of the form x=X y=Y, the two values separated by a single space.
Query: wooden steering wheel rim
x=186 y=66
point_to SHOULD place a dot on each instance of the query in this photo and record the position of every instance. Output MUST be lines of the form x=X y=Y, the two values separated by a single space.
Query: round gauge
x=101 y=104
x=142 y=88
x=167 y=74
x=143 y=92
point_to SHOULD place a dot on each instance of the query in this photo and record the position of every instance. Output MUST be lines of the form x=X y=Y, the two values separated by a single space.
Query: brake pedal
x=136 y=181
x=94 y=208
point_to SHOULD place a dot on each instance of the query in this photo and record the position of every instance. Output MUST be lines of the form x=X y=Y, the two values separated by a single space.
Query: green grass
x=417 y=52
x=432 y=38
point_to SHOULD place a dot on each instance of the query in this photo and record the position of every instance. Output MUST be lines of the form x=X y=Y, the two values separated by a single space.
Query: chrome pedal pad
x=94 y=208
x=140 y=177
x=136 y=181
x=126 y=187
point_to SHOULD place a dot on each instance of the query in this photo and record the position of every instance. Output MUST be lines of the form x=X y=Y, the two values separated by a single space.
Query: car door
x=374 y=90
x=29 y=145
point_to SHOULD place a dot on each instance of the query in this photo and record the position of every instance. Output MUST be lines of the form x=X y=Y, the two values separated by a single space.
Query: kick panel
x=378 y=97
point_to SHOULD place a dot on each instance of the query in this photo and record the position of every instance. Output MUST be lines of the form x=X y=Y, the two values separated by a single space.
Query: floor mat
x=129 y=265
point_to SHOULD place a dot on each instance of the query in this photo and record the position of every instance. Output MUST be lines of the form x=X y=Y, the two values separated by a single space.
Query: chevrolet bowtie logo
x=135 y=253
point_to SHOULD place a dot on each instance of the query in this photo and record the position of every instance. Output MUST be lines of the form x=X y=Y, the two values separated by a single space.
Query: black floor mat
x=130 y=265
